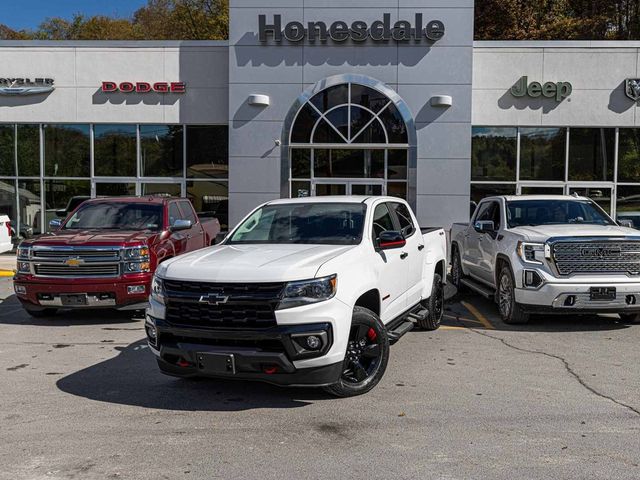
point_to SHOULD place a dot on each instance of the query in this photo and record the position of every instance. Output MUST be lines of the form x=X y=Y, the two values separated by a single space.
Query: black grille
x=217 y=305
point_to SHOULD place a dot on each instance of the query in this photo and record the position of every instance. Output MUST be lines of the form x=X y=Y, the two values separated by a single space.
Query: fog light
x=151 y=332
x=532 y=279
x=21 y=289
x=136 y=289
x=570 y=301
x=313 y=342
x=630 y=299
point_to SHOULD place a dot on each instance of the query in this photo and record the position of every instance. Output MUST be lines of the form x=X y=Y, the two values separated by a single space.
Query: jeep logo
x=600 y=252
x=558 y=90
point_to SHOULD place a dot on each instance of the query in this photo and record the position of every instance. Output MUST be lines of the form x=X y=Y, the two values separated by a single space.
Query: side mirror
x=391 y=239
x=485 y=226
x=180 y=225
x=55 y=224
x=626 y=223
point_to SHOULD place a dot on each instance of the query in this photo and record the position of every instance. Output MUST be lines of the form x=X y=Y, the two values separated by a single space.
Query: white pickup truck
x=306 y=291
x=548 y=254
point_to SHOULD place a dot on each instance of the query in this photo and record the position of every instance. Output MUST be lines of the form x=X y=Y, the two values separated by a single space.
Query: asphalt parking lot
x=559 y=398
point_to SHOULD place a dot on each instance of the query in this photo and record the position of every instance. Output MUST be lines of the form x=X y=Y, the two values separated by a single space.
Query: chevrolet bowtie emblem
x=74 y=262
x=214 y=299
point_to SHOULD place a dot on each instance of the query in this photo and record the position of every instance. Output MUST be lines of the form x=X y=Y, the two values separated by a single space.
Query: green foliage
x=158 y=20
x=557 y=20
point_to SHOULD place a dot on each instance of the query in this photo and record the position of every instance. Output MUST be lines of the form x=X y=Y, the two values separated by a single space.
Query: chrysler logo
x=214 y=299
x=632 y=88
x=600 y=252
x=25 y=86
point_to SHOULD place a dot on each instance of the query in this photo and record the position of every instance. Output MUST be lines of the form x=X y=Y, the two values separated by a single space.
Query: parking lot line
x=462 y=319
x=449 y=327
x=476 y=313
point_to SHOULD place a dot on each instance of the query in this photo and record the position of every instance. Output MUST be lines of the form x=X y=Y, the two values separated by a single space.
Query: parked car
x=551 y=254
x=104 y=254
x=5 y=234
x=307 y=291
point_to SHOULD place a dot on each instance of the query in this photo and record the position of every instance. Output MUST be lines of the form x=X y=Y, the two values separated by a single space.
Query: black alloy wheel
x=367 y=355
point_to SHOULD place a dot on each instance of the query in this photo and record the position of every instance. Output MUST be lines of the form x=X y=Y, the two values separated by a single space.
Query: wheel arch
x=501 y=259
x=370 y=300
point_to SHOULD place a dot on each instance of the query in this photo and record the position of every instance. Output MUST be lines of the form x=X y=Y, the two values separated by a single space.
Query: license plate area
x=73 y=300
x=217 y=363
x=602 y=294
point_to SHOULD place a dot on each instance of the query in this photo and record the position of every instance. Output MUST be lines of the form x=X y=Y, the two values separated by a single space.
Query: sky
x=29 y=14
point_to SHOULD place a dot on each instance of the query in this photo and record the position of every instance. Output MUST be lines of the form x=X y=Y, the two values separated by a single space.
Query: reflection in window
x=161 y=150
x=8 y=201
x=208 y=151
x=29 y=200
x=59 y=192
x=7 y=151
x=115 y=189
x=210 y=199
x=542 y=190
x=66 y=150
x=480 y=191
x=628 y=204
x=542 y=153
x=161 y=189
x=300 y=189
x=300 y=163
x=348 y=163
x=591 y=153
x=114 y=148
x=494 y=153
x=397 y=164
x=397 y=189
x=602 y=196
x=629 y=155
x=28 y=147
x=331 y=97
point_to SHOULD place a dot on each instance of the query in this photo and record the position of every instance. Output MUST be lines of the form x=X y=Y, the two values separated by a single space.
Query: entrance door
x=347 y=187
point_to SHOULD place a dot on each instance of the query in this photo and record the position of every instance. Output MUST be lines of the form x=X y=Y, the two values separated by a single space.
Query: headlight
x=531 y=252
x=136 y=260
x=306 y=292
x=157 y=290
x=23 y=252
x=136 y=253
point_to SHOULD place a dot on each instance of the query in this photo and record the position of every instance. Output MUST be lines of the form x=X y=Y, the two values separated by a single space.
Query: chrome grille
x=101 y=254
x=51 y=270
x=80 y=262
x=597 y=257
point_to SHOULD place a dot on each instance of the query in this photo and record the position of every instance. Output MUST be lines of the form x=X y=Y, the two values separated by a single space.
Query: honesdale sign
x=144 y=87
x=357 y=31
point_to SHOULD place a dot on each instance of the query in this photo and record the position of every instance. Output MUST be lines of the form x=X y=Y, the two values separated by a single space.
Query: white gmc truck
x=306 y=291
x=548 y=254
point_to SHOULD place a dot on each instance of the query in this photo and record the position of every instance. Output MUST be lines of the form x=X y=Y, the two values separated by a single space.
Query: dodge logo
x=600 y=252
x=214 y=299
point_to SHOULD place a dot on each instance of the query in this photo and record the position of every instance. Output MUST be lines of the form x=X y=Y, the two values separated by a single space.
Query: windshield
x=555 y=212
x=314 y=223
x=116 y=216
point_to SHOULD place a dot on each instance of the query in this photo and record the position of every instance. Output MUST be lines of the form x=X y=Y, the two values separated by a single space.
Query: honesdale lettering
x=359 y=31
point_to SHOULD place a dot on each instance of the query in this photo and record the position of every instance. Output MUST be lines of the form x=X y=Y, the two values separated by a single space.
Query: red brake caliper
x=372 y=335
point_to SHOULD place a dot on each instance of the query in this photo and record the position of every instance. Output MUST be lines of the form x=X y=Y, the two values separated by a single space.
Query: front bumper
x=112 y=293
x=263 y=354
x=552 y=298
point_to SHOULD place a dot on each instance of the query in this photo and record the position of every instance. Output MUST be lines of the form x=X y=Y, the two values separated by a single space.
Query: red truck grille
x=214 y=305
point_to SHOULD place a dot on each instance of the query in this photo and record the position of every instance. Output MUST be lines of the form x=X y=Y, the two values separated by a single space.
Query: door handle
x=420 y=247
x=403 y=255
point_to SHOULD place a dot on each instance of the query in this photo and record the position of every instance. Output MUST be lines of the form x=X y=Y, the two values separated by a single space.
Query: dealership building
x=315 y=98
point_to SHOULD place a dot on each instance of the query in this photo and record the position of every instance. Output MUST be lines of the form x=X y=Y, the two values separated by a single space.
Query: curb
x=7 y=273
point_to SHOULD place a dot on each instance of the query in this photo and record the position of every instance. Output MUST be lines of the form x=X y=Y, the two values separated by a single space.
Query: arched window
x=348 y=139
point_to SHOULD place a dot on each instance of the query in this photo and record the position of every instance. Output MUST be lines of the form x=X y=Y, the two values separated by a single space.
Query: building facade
x=317 y=98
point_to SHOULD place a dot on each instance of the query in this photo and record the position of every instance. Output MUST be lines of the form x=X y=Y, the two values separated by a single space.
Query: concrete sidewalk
x=7 y=265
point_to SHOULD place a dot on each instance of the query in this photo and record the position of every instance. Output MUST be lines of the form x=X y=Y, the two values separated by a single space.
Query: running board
x=398 y=331
x=478 y=288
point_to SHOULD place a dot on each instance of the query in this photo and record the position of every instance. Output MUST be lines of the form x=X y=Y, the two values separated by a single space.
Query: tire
x=435 y=306
x=510 y=311
x=367 y=355
x=457 y=275
x=45 y=312
x=630 y=317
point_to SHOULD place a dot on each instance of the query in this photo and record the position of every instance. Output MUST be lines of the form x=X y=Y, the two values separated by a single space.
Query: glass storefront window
x=534 y=190
x=115 y=189
x=542 y=153
x=28 y=147
x=300 y=189
x=628 y=205
x=480 y=191
x=30 y=210
x=397 y=164
x=7 y=150
x=591 y=153
x=161 y=189
x=210 y=199
x=600 y=195
x=493 y=153
x=300 y=163
x=59 y=192
x=161 y=150
x=8 y=201
x=208 y=151
x=114 y=150
x=66 y=150
x=348 y=163
x=397 y=189
x=629 y=155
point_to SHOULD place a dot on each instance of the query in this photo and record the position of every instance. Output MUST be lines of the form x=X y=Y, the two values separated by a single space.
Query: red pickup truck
x=105 y=252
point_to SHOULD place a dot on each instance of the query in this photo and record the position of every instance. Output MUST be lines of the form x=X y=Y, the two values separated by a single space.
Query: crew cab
x=548 y=254
x=105 y=252
x=307 y=291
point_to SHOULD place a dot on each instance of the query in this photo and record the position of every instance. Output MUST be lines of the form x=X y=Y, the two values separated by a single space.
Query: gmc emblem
x=600 y=252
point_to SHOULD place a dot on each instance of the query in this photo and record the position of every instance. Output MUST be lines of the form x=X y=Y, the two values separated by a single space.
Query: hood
x=93 y=237
x=542 y=233
x=251 y=263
